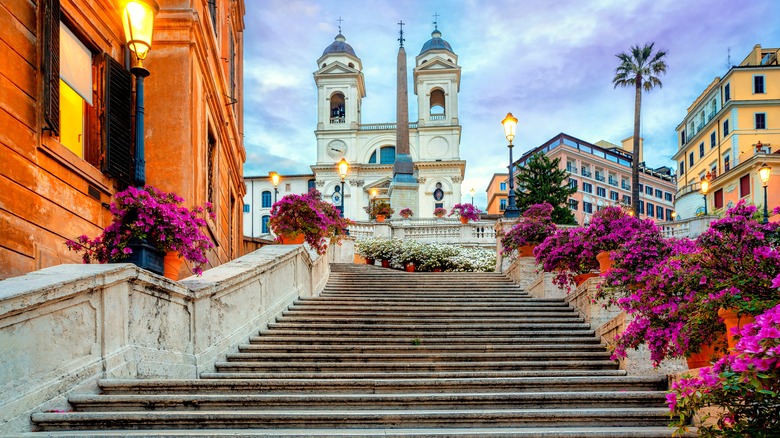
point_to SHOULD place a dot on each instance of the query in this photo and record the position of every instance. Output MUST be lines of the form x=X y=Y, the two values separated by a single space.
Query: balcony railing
x=586 y=173
x=613 y=182
x=625 y=186
x=438 y=116
x=337 y=120
x=572 y=170
x=383 y=126
x=599 y=177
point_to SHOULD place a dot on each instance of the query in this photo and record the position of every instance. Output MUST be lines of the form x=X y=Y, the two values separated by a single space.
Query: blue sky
x=549 y=62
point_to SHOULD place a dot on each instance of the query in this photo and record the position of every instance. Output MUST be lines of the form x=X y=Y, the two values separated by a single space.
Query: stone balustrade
x=481 y=234
x=64 y=327
x=690 y=228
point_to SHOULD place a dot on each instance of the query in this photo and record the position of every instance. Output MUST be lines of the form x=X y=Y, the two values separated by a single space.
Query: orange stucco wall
x=48 y=194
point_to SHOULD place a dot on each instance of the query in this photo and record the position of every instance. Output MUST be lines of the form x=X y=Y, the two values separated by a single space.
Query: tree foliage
x=540 y=181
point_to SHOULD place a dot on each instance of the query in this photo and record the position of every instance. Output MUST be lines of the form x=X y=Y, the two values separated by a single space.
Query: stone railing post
x=502 y=227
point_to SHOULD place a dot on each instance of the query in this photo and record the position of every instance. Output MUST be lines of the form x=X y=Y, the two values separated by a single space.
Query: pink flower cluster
x=154 y=216
x=308 y=214
x=406 y=213
x=534 y=226
x=469 y=211
x=745 y=383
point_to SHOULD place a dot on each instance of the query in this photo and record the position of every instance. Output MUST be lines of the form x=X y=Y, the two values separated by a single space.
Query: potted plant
x=408 y=255
x=381 y=210
x=567 y=253
x=406 y=213
x=534 y=226
x=609 y=228
x=467 y=212
x=368 y=248
x=298 y=218
x=148 y=223
x=436 y=257
x=386 y=249
x=439 y=212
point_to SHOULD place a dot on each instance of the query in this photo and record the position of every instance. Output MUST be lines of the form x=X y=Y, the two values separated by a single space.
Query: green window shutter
x=51 y=64
x=118 y=121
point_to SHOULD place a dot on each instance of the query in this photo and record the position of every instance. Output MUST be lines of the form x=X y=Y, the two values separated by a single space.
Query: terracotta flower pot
x=703 y=358
x=297 y=240
x=380 y=218
x=370 y=261
x=731 y=320
x=436 y=270
x=172 y=264
x=409 y=267
x=579 y=279
x=464 y=220
x=526 y=250
x=605 y=263
x=385 y=263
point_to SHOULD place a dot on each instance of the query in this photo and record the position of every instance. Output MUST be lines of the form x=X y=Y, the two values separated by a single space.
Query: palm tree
x=640 y=68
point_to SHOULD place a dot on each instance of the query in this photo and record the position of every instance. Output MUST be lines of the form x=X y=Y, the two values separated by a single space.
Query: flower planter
x=409 y=267
x=703 y=358
x=731 y=320
x=297 y=240
x=385 y=263
x=436 y=270
x=145 y=256
x=579 y=279
x=172 y=265
x=370 y=261
x=526 y=250
x=380 y=218
x=605 y=262
x=464 y=220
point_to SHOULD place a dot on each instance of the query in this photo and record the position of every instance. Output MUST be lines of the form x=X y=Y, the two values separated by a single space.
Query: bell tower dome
x=437 y=82
x=340 y=87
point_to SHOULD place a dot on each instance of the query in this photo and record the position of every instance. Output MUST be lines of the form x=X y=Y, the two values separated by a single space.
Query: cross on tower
x=401 y=39
x=436 y=20
x=340 y=21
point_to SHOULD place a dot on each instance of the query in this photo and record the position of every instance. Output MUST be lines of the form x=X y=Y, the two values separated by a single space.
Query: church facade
x=370 y=148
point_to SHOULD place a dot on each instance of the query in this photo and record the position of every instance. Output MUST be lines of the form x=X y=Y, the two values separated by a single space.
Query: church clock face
x=337 y=149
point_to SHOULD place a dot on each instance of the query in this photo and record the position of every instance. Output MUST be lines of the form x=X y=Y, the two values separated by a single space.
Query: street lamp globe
x=343 y=168
x=510 y=123
x=274 y=179
x=764 y=173
x=138 y=23
x=705 y=186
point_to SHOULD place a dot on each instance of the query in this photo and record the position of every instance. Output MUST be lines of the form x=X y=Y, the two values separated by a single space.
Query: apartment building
x=497 y=193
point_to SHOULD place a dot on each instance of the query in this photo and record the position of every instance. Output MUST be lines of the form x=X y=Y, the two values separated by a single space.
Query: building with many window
x=497 y=192
x=67 y=117
x=260 y=196
x=728 y=132
x=601 y=173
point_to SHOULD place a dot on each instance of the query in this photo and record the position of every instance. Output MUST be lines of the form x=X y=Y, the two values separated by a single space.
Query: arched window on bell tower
x=437 y=104
x=337 y=112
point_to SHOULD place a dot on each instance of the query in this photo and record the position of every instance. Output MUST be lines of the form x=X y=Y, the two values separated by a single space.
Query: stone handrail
x=429 y=230
x=63 y=328
x=690 y=228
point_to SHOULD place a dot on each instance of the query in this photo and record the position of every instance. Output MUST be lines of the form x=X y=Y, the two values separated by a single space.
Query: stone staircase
x=389 y=353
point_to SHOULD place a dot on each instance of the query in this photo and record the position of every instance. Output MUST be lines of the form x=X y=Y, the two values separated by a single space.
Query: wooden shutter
x=118 y=121
x=719 y=199
x=744 y=186
x=51 y=64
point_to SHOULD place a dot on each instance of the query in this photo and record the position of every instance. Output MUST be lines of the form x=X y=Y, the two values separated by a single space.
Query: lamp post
x=343 y=168
x=705 y=187
x=275 y=180
x=764 y=173
x=674 y=215
x=472 y=191
x=373 y=193
x=138 y=22
x=510 y=122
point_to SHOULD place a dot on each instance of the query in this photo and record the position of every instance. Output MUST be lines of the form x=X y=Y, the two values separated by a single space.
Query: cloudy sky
x=549 y=62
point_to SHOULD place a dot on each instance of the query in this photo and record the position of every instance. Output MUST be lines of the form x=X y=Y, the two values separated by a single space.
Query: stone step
x=401 y=322
x=336 y=311
x=438 y=432
x=320 y=357
x=423 y=300
x=446 y=401
x=341 y=418
x=546 y=381
x=410 y=348
x=394 y=367
x=275 y=337
x=422 y=334
x=390 y=306
x=432 y=327
x=378 y=375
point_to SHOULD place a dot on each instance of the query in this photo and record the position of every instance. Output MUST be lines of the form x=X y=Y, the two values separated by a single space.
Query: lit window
x=75 y=90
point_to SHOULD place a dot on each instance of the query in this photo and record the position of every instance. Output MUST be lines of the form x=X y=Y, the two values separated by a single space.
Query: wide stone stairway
x=388 y=353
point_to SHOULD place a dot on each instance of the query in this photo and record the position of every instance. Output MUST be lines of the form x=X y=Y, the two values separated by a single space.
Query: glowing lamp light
x=138 y=22
x=343 y=168
x=510 y=123
x=705 y=186
x=764 y=173
x=374 y=192
x=274 y=178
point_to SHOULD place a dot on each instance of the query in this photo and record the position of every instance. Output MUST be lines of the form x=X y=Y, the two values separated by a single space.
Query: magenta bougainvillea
x=534 y=226
x=318 y=221
x=469 y=211
x=154 y=216
x=406 y=213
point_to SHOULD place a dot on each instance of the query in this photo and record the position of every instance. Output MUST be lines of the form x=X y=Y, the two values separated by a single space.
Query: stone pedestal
x=404 y=195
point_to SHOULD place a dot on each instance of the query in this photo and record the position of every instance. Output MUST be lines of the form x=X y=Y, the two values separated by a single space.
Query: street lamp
x=705 y=187
x=138 y=22
x=275 y=180
x=343 y=168
x=510 y=122
x=674 y=215
x=764 y=173
x=472 y=191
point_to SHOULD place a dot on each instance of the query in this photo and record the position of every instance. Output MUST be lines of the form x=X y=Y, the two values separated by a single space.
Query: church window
x=351 y=65
x=437 y=102
x=372 y=160
x=387 y=155
x=337 y=112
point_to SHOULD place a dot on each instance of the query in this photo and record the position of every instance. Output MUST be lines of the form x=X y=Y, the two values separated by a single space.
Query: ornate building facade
x=66 y=109
x=371 y=148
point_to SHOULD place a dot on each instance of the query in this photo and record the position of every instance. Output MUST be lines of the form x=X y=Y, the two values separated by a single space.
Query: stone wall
x=64 y=327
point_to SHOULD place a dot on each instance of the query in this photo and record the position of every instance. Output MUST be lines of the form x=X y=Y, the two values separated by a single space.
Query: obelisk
x=404 y=187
